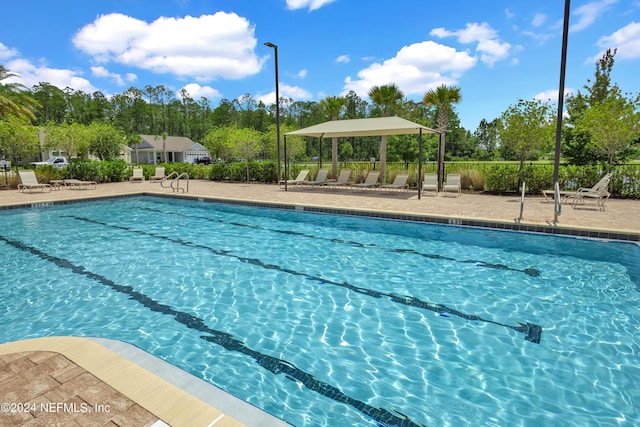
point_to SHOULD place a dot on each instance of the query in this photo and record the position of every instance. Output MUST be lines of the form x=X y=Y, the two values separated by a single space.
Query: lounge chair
x=430 y=183
x=159 y=174
x=77 y=184
x=29 y=181
x=321 y=178
x=399 y=183
x=598 y=192
x=138 y=175
x=370 y=182
x=564 y=195
x=452 y=184
x=343 y=179
x=301 y=178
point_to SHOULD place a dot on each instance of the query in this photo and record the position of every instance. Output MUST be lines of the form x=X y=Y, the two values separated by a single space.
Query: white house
x=178 y=149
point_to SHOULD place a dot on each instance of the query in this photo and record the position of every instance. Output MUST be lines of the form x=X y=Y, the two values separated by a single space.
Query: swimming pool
x=335 y=320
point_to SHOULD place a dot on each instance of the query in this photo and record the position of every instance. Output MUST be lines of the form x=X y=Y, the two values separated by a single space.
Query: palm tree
x=442 y=98
x=15 y=100
x=164 y=137
x=389 y=99
x=332 y=106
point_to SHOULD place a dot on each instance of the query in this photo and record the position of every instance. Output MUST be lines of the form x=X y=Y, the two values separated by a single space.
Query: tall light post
x=563 y=68
x=275 y=48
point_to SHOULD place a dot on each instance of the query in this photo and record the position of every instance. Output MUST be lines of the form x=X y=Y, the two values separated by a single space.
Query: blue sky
x=496 y=51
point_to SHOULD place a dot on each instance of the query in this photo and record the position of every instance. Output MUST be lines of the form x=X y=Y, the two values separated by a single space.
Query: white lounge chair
x=452 y=184
x=77 y=184
x=595 y=190
x=343 y=179
x=370 y=182
x=159 y=174
x=300 y=179
x=29 y=181
x=399 y=183
x=430 y=183
x=138 y=175
x=598 y=192
x=321 y=178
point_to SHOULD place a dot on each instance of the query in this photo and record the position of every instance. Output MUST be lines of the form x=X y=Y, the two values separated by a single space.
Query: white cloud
x=196 y=91
x=286 y=91
x=415 y=69
x=100 y=71
x=302 y=73
x=626 y=40
x=539 y=19
x=7 y=52
x=588 y=13
x=310 y=4
x=344 y=59
x=508 y=14
x=31 y=75
x=552 y=95
x=489 y=46
x=204 y=48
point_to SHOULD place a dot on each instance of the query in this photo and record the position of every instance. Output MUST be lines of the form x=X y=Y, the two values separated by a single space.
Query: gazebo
x=377 y=126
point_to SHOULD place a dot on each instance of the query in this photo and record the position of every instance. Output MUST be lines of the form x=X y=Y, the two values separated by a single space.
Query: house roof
x=377 y=126
x=174 y=144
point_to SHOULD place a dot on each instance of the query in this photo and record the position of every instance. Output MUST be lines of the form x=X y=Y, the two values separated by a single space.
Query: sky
x=496 y=51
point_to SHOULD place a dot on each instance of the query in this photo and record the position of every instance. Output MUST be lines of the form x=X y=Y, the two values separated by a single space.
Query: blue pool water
x=328 y=320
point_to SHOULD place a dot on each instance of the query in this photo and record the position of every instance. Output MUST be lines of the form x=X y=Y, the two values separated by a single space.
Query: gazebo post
x=286 y=168
x=419 y=163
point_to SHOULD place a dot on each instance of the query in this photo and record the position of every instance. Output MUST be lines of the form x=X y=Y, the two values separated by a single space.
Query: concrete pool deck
x=32 y=368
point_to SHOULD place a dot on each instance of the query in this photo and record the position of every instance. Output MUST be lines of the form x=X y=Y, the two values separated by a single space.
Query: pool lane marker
x=273 y=364
x=532 y=331
x=530 y=271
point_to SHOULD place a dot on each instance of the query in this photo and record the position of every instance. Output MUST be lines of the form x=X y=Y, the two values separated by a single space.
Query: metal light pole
x=275 y=48
x=563 y=68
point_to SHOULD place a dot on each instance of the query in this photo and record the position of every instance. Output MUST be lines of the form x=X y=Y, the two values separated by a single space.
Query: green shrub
x=537 y=178
x=501 y=178
x=46 y=173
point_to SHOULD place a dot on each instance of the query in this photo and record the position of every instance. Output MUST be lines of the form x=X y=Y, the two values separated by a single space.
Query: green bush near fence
x=493 y=177
x=258 y=171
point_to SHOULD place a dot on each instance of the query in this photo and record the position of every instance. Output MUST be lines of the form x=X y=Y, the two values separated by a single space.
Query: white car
x=56 y=162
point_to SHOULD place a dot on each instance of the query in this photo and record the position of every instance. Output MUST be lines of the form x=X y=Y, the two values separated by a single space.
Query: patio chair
x=138 y=175
x=29 y=181
x=564 y=195
x=399 y=183
x=370 y=182
x=77 y=184
x=430 y=183
x=343 y=179
x=301 y=178
x=159 y=174
x=452 y=184
x=598 y=192
x=321 y=178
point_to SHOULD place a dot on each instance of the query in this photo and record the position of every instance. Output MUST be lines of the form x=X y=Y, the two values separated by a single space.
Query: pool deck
x=141 y=391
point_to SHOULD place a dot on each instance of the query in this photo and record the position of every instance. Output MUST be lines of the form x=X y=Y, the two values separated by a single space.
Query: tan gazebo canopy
x=377 y=126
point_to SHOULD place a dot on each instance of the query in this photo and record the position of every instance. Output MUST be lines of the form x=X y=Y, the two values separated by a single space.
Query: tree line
x=602 y=124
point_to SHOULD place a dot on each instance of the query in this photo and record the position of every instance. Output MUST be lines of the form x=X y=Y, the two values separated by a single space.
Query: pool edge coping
x=126 y=368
